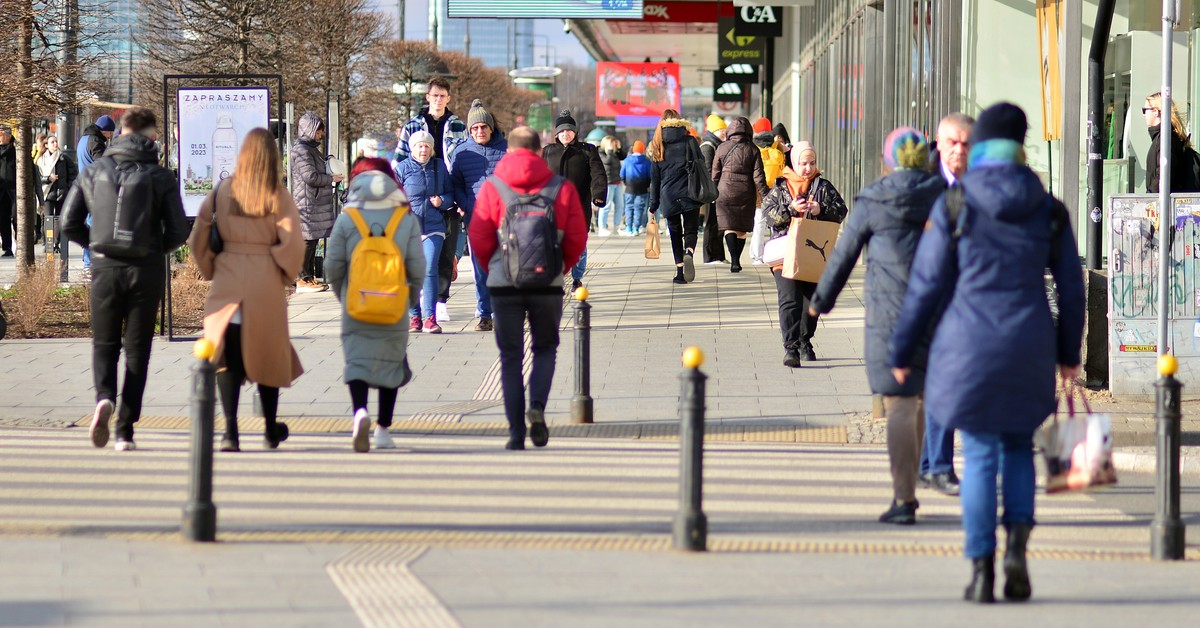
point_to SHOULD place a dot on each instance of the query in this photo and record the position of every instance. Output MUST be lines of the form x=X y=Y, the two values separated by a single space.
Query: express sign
x=760 y=21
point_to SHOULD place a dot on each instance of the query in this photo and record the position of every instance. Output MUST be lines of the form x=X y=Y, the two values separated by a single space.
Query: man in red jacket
x=523 y=170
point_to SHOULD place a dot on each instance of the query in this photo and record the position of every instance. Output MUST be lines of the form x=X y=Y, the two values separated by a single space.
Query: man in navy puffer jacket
x=473 y=163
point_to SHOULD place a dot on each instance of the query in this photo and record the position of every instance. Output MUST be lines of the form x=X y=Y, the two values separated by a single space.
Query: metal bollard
x=691 y=526
x=200 y=514
x=582 y=406
x=1167 y=530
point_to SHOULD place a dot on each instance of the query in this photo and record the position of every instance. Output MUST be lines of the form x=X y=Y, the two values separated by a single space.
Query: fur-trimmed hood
x=675 y=122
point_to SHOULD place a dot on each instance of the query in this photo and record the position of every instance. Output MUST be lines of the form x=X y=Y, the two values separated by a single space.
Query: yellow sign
x=1138 y=349
x=1050 y=28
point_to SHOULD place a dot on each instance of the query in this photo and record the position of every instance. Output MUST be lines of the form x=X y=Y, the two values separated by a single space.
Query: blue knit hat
x=105 y=123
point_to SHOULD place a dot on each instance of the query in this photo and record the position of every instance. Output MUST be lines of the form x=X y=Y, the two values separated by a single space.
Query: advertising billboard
x=576 y=9
x=212 y=123
x=636 y=89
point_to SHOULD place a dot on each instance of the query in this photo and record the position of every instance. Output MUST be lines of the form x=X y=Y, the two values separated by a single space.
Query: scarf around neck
x=798 y=185
x=996 y=153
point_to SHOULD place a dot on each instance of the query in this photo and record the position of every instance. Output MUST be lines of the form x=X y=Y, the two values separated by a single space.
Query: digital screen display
x=576 y=9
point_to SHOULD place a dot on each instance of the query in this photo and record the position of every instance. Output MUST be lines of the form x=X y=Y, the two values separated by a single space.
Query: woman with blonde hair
x=1183 y=174
x=669 y=153
x=611 y=155
x=245 y=314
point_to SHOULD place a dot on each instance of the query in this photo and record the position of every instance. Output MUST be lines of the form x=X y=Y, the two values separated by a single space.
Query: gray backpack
x=530 y=251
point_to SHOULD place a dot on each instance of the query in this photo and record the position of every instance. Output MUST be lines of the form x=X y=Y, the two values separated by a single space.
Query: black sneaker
x=904 y=514
x=575 y=285
x=689 y=267
x=807 y=354
x=516 y=441
x=539 y=434
x=791 y=359
x=485 y=324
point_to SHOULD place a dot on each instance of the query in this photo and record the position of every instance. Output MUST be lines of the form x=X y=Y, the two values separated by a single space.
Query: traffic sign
x=734 y=47
x=761 y=21
x=743 y=73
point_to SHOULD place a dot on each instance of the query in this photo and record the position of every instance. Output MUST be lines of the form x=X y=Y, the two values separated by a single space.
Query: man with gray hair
x=136 y=217
x=949 y=159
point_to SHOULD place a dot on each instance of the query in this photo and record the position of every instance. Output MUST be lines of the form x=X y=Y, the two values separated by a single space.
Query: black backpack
x=129 y=229
x=530 y=252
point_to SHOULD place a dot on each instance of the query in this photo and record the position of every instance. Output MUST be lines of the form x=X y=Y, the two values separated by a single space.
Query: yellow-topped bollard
x=693 y=357
x=1167 y=365
x=204 y=349
x=581 y=294
x=582 y=404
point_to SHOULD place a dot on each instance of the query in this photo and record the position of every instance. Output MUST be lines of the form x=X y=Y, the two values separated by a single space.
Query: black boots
x=229 y=442
x=1016 y=572
x=735 y=245
x=275 y=433
x=983 y=581
x=791 y=357
x=679 y=276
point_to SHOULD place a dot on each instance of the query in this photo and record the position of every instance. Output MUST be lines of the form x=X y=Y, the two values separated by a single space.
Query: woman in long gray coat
x=376 y=355
x=312 y=189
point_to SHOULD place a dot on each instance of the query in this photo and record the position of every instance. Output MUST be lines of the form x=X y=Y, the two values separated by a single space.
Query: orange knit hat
x=639 y=146
x=762 y=125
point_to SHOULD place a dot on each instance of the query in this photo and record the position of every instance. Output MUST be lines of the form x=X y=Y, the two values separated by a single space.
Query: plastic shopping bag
x=1078 y=450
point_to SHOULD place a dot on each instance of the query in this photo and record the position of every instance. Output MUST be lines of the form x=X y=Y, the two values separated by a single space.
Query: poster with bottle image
x=212 y=123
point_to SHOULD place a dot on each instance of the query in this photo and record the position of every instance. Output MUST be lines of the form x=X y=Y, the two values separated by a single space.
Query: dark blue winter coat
x=421 y=182
x=472 y=164
x=888 y=219
x=992 y=361
x=636 y=173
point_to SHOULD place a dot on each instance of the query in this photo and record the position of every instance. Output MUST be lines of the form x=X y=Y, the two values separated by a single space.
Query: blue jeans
x=635 y=210
x=615 y=207
x=483 y=298
x=578 y=268
x=988 y=454
x=87 y=252
x=432 y=245
x=937 y=456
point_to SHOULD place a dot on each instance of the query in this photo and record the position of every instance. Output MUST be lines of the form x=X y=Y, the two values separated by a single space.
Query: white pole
x=1166 y=213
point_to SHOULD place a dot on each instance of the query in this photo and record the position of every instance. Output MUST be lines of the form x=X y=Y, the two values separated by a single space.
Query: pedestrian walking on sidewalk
x=376 y=354
x=949 y=160
x=473 y=163
x=888 y=219
x=245 y=314
x=670 y=151
x=799 y=191
x=91 y=146
x=577 y=162
x=715 y=131
x=613 y=212
x=526 y=176
x=1183 y=176
x=56 y=172
x=773 y=164
x=993 y=355
x=125 y=192
x=312 y=190
x=636 y=172
x=738 y=172
x=426 y=183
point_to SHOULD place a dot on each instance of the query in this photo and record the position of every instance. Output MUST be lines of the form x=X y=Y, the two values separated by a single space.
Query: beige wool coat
x=260 y=258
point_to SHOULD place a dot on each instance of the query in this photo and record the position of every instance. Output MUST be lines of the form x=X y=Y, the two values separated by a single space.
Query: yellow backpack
x=377 y=291
x=773 y=163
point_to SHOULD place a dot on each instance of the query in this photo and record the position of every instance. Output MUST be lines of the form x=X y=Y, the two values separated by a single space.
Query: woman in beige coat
x=245 y=314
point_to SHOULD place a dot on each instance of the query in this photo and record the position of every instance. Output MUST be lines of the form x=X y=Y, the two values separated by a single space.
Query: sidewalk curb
x=1145 y=460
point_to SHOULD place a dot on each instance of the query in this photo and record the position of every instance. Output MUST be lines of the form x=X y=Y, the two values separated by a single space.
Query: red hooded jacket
x=525 y=172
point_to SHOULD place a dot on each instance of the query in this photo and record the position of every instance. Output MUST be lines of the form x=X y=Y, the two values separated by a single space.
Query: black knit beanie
x=565 y=122
x=780 y=131
x=1001 y=121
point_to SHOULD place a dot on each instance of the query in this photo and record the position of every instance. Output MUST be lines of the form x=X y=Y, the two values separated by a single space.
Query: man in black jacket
x=126 y=289
x=579 y=163
x=8 y=188
x=714 y=133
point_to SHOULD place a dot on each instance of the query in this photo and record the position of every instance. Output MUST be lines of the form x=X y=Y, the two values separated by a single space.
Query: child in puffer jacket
x=635 y=172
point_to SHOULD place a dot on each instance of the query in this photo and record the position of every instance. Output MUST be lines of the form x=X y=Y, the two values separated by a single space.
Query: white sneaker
x=125 y=445
x=100 y=419
x=383 y=438
x=756 y=262
x=604 y=233
x=308 y=287
x=442 y=314
x=362 y=431
x=641 y=231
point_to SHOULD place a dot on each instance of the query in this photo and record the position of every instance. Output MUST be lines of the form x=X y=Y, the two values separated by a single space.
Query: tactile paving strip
x=440 y=426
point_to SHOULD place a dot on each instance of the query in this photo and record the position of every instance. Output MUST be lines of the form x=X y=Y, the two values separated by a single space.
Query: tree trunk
x=26 y=209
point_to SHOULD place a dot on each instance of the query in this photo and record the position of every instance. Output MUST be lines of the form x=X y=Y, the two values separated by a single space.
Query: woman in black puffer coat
x=738 y=172
x=669 y=152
